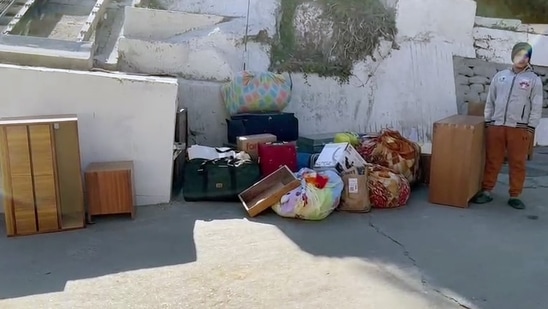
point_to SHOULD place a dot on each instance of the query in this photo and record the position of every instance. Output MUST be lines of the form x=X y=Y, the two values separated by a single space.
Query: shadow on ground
x=489 y=256
x=486 y=256
x=159 y=236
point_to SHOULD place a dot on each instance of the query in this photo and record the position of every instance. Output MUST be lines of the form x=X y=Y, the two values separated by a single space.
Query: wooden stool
x=109 y=188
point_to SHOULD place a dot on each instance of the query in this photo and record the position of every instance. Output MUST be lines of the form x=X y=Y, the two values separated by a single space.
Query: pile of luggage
x=346 y=170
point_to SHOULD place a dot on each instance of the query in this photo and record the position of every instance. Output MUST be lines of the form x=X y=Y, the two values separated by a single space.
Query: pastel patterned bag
x=257 y=92
x=394 y=151
x=315 y=199
x=386 y=188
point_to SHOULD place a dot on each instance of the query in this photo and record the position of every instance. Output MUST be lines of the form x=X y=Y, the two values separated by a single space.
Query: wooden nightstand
x=109 y=188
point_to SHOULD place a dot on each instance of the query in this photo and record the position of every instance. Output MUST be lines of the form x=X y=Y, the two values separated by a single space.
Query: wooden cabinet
x=457 y=161
x=109 y=188
x=42 y=180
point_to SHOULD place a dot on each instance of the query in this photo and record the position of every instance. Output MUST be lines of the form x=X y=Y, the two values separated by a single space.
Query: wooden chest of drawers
x=109 y=188
x=457 y=160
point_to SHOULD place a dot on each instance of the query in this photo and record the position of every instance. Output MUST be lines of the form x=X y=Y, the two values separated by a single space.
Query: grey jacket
x=514 y=100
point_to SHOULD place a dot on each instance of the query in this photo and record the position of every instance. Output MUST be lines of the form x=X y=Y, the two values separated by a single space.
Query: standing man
x=512 y=112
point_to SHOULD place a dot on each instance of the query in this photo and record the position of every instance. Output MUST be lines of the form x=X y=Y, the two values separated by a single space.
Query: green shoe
x=516 y=203
x=482 y=198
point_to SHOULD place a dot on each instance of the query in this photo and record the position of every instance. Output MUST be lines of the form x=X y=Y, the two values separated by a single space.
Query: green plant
x=357 y=28
x=530 y=11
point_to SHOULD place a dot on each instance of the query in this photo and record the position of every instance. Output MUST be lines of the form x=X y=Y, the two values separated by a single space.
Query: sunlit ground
x=242 y=264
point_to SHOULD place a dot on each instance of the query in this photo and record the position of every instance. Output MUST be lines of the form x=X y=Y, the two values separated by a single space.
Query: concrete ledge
x=150 y=24
x=35 y=51
x=180 y=59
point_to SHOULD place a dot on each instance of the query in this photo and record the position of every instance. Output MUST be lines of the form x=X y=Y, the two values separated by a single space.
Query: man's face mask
x=521 y=58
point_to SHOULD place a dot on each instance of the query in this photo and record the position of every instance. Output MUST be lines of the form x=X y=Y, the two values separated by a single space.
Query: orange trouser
x=512 y=142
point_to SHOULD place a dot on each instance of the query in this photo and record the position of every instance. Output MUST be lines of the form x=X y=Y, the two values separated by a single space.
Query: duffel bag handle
x=229 y=162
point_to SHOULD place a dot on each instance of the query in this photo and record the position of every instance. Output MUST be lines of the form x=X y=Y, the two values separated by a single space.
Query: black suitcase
x=284 y=125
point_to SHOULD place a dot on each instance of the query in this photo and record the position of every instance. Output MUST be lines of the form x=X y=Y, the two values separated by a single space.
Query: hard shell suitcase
x=219 y=179
x=284 y=125
x=303 y=159
x=274 y=155
x=314 y=143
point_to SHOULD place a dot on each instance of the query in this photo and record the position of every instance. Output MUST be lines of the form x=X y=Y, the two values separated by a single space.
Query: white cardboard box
x=339 y=156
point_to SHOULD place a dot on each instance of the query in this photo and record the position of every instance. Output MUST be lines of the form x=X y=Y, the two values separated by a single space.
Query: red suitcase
x=274 y=155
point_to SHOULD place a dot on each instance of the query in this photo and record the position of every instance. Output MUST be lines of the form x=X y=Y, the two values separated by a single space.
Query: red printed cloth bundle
x=390 y=149
x=387 y=189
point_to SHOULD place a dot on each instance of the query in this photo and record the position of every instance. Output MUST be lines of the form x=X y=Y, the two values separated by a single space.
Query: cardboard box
x=339 y=156
x=249 y=143
x=268 y=191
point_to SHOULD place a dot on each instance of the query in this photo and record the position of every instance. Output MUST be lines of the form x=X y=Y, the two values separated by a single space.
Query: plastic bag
x=315 y=199
x=387 y=189
x=257 y=92
x=390 y=149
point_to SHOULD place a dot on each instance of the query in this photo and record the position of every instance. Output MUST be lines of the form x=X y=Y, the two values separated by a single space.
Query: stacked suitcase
x=310 y=147
x=285 y=126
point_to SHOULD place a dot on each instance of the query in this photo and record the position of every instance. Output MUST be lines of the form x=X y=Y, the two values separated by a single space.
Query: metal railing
x=5 y=5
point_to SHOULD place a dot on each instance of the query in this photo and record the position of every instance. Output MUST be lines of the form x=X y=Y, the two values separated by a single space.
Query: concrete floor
x=207 y=255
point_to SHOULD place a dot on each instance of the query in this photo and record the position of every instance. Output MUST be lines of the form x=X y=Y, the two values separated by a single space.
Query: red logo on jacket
x=524 y=84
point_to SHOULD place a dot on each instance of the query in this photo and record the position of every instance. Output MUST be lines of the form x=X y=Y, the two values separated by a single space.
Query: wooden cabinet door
x=18 y=183
x=43 y=172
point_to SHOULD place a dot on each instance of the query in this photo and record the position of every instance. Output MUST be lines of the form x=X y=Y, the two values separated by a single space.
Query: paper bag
x=355 y=196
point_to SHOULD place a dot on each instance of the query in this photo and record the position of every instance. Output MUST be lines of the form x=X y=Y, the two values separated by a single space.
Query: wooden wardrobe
x=41 y=171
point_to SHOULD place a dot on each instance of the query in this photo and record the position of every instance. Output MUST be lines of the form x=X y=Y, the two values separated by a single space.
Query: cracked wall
x=406 y=88
x=495 y=37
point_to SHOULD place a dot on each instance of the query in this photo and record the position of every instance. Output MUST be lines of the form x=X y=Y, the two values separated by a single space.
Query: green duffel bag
x=218 y=180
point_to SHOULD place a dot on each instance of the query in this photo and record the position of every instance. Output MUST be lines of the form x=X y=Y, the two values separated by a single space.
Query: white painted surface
x=495 y=45
x=204 y=48
x=409 y=89
x=404 y=101
x=449 y=21
x=211 y=57
x=121 y=117
x=541 y=133
x=149 y=24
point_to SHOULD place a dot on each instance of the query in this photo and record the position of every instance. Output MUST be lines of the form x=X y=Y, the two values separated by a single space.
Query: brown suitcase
x=456 y=167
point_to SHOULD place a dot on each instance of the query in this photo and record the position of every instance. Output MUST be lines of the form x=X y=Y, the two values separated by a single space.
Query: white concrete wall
x=121 y=117
x=410 y=88
x=206 y=46
x=495 y=45
x=433 y=21
x=149 y=24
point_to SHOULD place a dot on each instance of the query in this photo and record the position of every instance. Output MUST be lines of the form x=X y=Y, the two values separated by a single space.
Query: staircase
x=8 y=10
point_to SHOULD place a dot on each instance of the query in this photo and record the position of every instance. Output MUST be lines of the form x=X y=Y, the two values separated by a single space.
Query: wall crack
x=426 y=285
